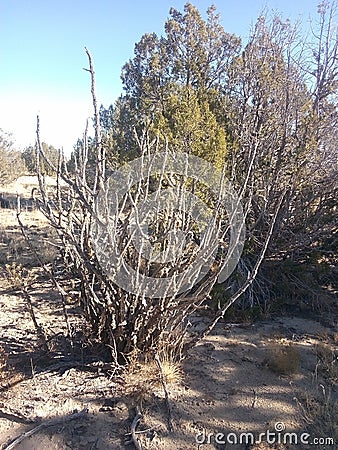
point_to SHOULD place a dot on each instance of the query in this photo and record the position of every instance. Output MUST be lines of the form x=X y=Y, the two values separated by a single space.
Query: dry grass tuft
x=319 y=413
x=18 y=275
x=283 y=359
x=142 y=376
x=172 y=371
x=327 y=361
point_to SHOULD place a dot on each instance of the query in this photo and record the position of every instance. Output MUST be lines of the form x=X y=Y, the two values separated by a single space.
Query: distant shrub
x=11 y=162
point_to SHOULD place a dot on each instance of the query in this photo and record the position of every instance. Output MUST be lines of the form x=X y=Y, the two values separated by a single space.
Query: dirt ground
x=228 y=387
x=245 y=383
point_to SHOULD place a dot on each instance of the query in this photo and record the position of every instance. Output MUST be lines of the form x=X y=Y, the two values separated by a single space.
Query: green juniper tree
x=173 y=87
x=29 y=156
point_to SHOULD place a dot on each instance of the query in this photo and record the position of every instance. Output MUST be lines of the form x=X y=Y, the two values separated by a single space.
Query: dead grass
x=172 y=371
x=283 y=358
x=319 y=412
x=13 y=245
x=142 y=376
x=18 y=275
x=327 y=361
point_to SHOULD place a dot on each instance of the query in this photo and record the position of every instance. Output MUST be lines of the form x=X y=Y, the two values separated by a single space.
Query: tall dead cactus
x=92 y=235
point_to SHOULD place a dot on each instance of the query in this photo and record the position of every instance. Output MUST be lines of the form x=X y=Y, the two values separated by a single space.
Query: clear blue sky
x=42 y=54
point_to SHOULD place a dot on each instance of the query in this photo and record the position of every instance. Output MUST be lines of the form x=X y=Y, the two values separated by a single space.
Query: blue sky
x=42 y=54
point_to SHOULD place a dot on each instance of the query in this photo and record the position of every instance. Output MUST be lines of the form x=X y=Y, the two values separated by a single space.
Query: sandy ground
x=24 y=184
x=228 y=387
x=277 y=375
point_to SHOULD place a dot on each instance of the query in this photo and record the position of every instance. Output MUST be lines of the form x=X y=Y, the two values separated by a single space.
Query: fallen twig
x=133 y=431
x=141 y=431
x=15 y=417
x=254 y=401
x=41 y=426
x=54 y=368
